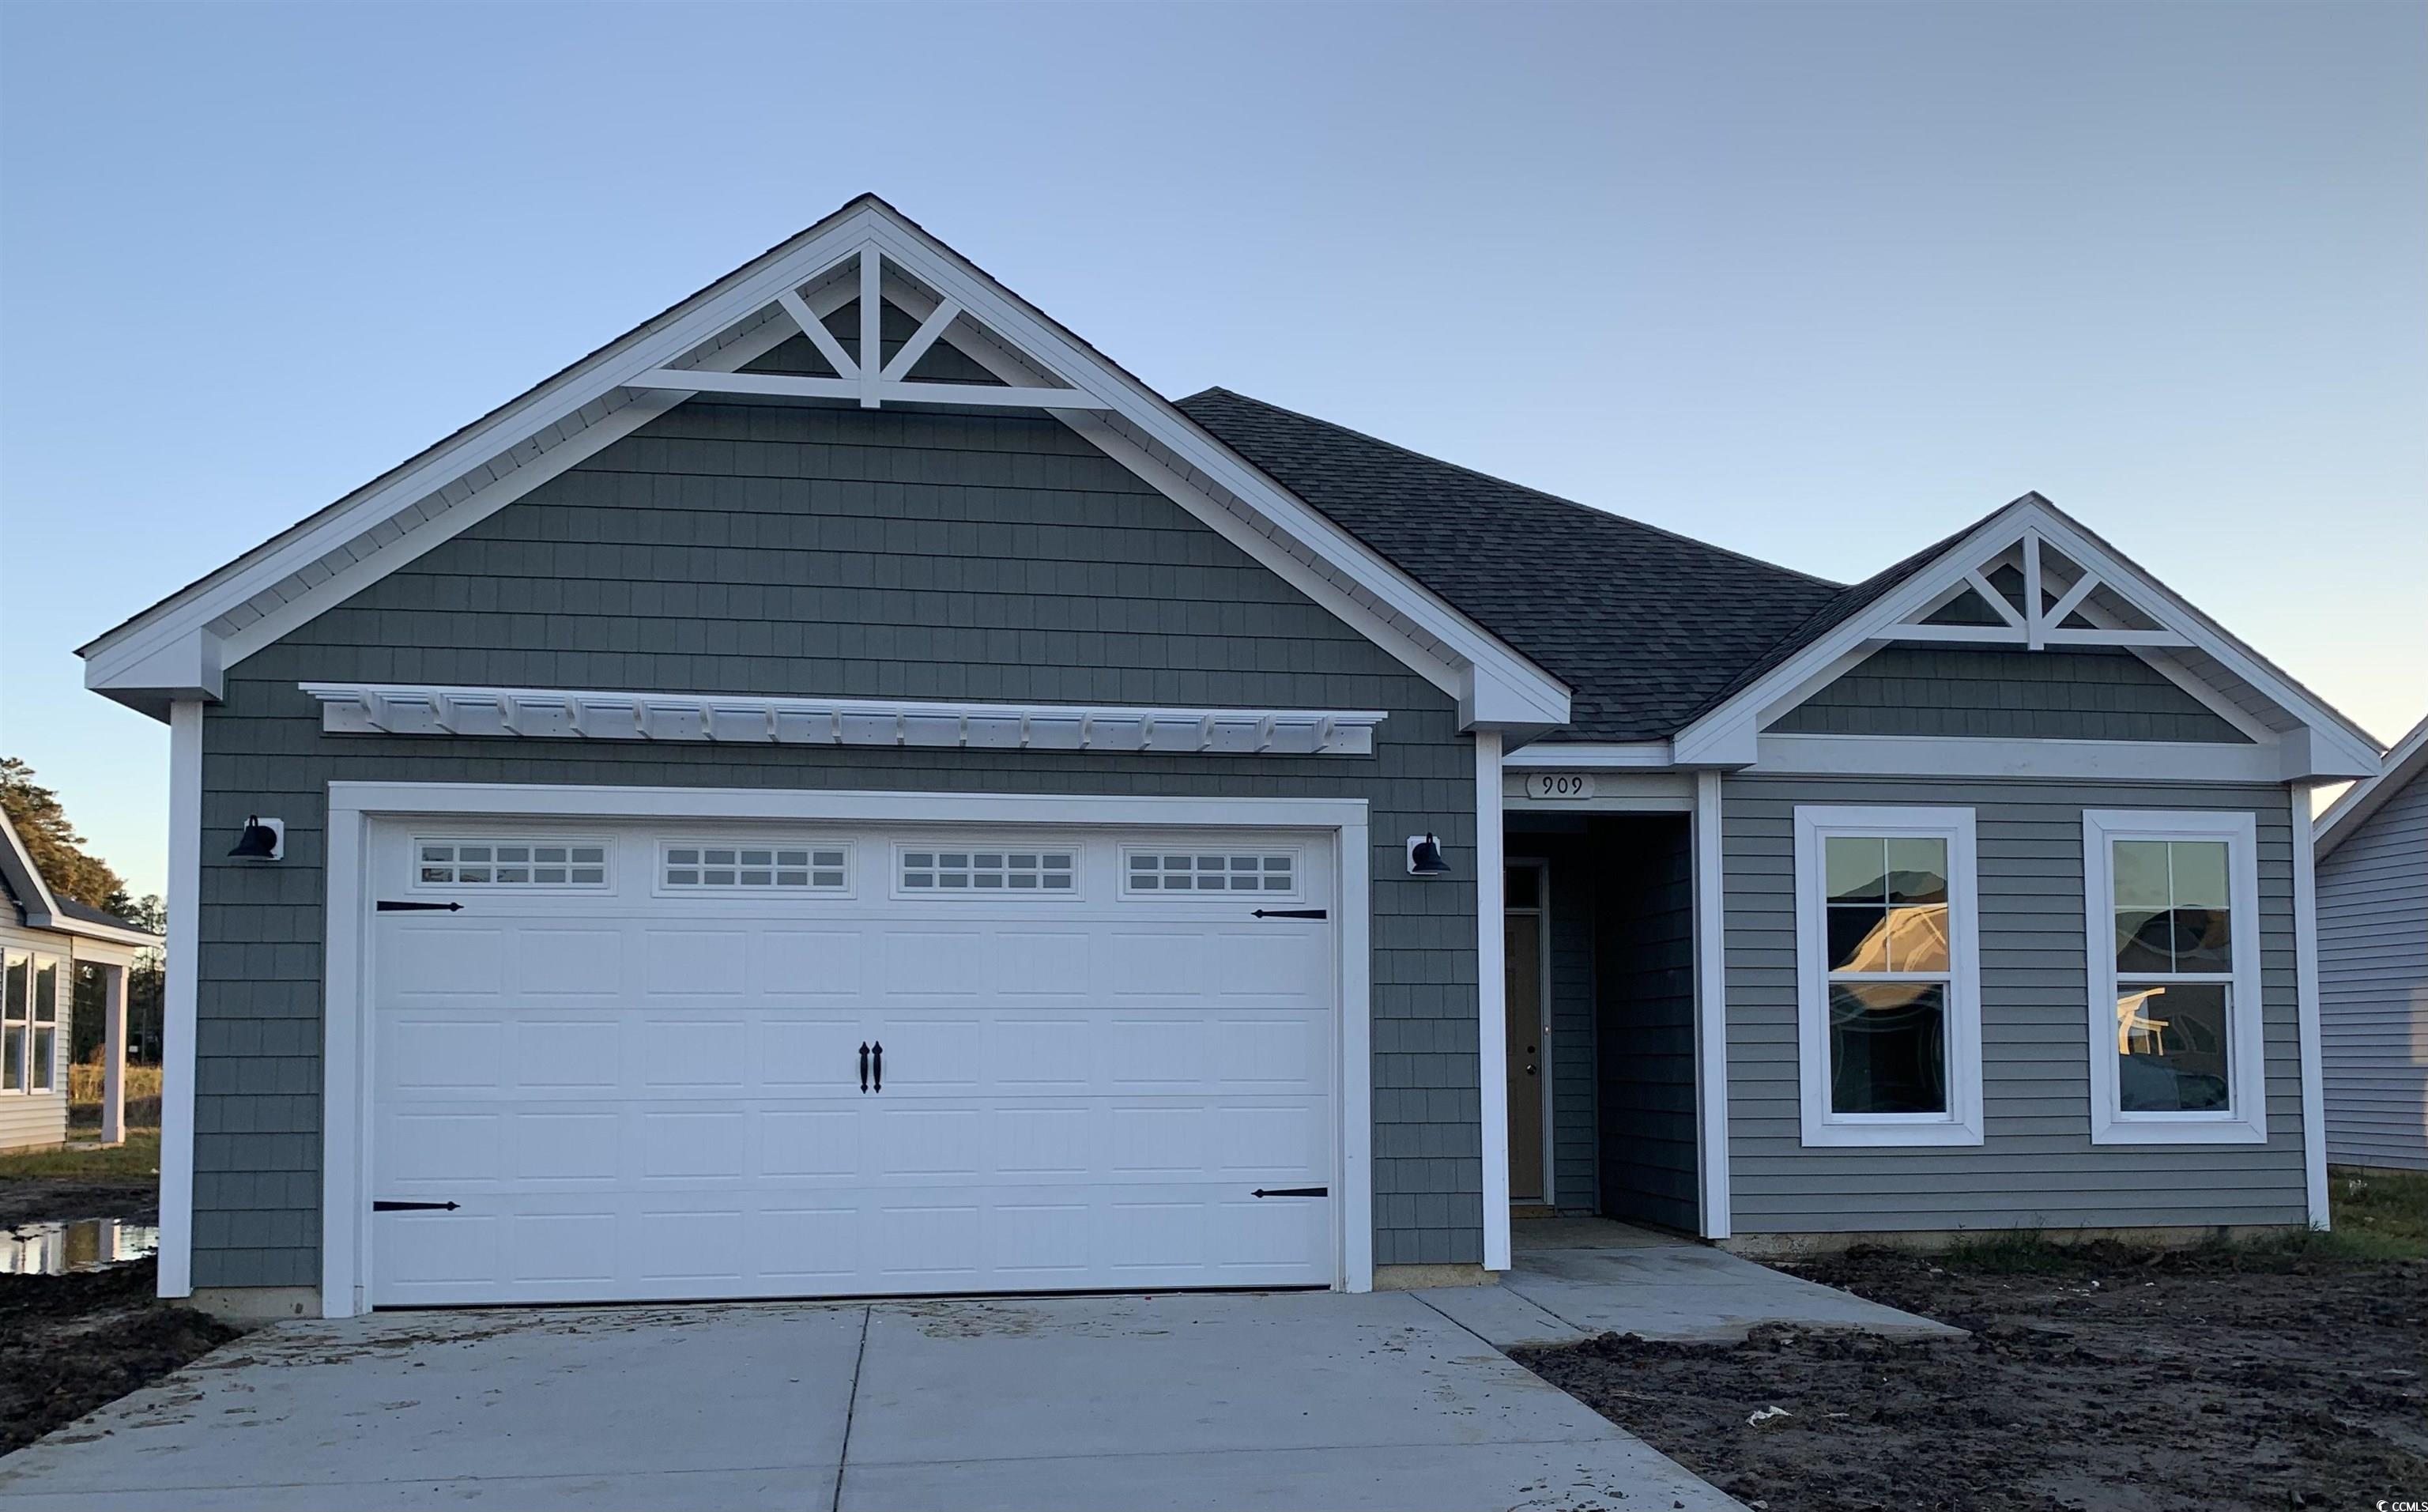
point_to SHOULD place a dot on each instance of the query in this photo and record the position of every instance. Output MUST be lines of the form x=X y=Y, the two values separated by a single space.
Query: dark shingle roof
x=70 y=907
x=1647 y=628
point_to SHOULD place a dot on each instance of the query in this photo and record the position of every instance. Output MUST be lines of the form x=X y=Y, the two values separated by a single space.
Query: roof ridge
x=1595 y=510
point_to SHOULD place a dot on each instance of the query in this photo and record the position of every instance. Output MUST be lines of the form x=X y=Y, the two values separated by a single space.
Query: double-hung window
x=2172 y=913
x=41 y=1070
x=1888 y=975
x=16 y=995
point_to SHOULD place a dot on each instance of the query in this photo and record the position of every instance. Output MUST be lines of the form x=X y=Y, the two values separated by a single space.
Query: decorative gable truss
x=866 y=253
x=2031 y=576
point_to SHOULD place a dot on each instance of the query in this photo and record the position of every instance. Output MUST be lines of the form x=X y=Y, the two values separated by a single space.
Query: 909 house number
x=1557 y=786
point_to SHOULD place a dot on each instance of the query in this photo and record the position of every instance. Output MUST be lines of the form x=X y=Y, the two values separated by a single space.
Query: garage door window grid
x=509 y=863
x=962 y=870
x=1164 y=871
x=689 y=865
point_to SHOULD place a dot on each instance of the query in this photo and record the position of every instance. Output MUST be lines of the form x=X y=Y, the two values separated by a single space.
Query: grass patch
x=139 y=1157
x=2387 y=1213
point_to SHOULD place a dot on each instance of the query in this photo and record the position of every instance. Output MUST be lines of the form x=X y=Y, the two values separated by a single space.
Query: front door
x=1523 y=946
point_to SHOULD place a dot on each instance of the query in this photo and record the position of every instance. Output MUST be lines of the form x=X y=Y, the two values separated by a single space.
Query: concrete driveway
x=1282 y=1401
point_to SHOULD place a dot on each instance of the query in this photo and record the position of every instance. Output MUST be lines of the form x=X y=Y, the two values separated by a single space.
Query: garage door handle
x=1290 y=913
x=881 y=1066
x=412 y=1206
x=863 y=1065
x=1294 y=1191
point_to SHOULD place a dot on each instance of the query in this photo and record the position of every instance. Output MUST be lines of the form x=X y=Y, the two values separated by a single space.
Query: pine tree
x=52 y=843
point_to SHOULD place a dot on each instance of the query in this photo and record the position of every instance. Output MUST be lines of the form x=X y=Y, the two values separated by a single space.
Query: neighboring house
x=846 y=790
x=43 y=938
x=2372 y=849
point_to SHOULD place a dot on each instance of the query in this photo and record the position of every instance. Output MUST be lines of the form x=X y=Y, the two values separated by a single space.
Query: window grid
x=756 y=867
x=42 y=1050
x=1165 y=872
x=509 y=863
x=964 y=870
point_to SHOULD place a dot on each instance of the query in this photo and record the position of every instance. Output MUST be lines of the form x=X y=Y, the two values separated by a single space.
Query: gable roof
x=180 y=647
x=2350 y=811
x=38 y=907
x=1646 y=626
x=2186 y=644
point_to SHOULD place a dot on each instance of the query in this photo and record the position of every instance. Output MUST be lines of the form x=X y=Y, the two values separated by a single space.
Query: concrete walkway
x=1575 y=1277
x=1278 y=1401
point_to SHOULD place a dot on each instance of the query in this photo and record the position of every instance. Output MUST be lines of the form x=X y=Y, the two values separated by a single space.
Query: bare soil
x=71 y=1343
x=2111 y=1378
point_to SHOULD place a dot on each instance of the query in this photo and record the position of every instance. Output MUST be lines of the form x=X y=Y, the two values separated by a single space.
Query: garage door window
x=1040 y=869
x=755 y=868
x=509 y=863
x=1160 y=873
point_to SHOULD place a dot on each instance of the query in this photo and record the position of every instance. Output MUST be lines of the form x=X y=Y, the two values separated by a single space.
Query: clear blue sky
x=1819 y=282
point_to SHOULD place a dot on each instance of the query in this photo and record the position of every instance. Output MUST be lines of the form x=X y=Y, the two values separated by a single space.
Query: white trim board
x=1492 y=998
x=2315 y=741
x=742 y=718
x=179 y=999
x=2309 y=1010
x=353 y=806
x=1710 y=1007
x=176 y=648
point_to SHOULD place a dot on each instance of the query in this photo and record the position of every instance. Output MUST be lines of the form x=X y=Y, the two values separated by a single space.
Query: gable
x=181 y=648
x=741 y=546
x=2030 y=579
x=1992 y=692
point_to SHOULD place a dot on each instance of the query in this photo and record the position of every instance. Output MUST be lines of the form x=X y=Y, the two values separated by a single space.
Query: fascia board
x=2352 y=808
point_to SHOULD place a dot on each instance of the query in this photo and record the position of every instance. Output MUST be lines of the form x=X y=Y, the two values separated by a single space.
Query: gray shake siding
x=2037 y=1165
x=2374 y=986
x=1648 y=1049
x=781 y=549
x=2047 y=695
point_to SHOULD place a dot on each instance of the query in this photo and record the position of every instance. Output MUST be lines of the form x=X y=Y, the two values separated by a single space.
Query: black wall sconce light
x=262 y=840
x=1425 y=857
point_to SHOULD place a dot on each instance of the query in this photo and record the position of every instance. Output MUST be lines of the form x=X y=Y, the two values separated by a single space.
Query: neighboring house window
x=2172 y=907
x=13 y=996
x=42 y=1073
x=1888 y=975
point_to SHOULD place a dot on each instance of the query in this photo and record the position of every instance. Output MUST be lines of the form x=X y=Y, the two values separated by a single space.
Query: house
x=43 y=939
x=846 y=790
x=2372 y=850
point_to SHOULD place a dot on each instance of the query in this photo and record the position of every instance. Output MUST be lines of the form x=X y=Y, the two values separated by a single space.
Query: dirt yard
x=71 y=1343
x=2106 y=1378
x=123 y=1183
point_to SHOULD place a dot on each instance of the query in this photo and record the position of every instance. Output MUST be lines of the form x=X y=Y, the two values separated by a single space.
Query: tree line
x=69 y=870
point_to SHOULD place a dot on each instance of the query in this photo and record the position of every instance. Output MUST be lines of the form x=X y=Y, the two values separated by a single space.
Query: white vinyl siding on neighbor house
x=35 y=1006
x=2373 y=985
x=1888 y=975
x=2171 y=902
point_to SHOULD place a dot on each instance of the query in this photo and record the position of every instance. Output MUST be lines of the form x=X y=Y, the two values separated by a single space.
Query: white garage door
x=653 y=1062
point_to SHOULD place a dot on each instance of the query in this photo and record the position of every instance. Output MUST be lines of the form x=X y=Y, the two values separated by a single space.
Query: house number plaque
x=1559 y=785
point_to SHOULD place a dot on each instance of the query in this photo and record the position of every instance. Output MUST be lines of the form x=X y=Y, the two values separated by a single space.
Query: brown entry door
x=1523 y=941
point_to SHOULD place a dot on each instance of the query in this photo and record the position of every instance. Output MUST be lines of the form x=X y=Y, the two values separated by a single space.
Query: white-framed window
x=1169 y=871
x=16 y=997
x=42 y=1048
x=991 y=870
x=518 y=863
x=1888 y=975
x=754 y=866
x=2172 y=913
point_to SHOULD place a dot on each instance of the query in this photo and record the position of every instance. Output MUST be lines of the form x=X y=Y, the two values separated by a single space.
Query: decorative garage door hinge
x=391 y=906
x=412 y=1206
x=1292 y=913
x=1294 y=1191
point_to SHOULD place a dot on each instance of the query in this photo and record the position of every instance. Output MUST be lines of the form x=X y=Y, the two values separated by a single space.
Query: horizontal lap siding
x=2374 y=986
x=824 y=551
x=2037 y=1166
x=2053 y=694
